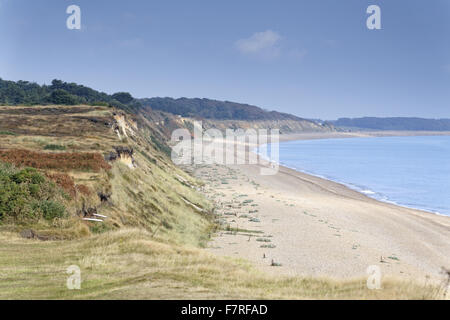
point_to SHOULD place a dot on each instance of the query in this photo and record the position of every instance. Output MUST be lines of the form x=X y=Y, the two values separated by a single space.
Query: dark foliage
x=64 y=93
x=213 y=109
x=61 y=96
x=26 y=195
x=54 y=147
x=60 y=93
x=123 y=97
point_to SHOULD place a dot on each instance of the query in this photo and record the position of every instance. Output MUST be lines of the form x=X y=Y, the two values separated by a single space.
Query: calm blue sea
x=409 y=171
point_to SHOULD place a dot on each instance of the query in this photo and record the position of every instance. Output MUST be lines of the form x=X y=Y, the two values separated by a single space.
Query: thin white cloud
x=268 y=45
x=447 y=67
x=264 y=44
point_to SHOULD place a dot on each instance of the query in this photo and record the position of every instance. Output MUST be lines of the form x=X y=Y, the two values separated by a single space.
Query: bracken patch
x=83 y=189
x=55 y=161
x=64 y=181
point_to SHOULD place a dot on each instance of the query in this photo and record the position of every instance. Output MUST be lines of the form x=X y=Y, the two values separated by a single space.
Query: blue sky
x=312 y=58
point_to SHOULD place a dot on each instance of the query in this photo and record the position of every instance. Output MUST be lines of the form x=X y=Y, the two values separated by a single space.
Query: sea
x=411 y=171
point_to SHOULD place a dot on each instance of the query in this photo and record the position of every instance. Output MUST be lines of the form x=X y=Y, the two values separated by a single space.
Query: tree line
x=214 y=109
x=60 y=93
x=64 y=93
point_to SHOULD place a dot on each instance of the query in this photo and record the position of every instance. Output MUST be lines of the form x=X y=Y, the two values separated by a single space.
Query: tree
x=123 y=97
x=61 y=96
x=57 y=84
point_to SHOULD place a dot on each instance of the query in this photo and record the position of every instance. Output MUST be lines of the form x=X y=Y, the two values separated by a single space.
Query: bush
x=122 y=97
x=26 y=195
x=99 y=104
x=54 y=147
x=28 y=175
x=7 y=133
x=61 y=96
x=50 y=209
x=116 y=104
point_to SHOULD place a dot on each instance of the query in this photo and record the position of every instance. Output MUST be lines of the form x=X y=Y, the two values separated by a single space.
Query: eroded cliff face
x=97 y=152
x=285 y=126
x=113 y=165
x=163 y=124
x=146 y=188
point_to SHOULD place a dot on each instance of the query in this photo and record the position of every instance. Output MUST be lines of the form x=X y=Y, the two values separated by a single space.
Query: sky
x=311 y=58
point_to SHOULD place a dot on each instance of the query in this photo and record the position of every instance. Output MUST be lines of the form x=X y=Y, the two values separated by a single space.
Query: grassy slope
x=130 y=264
x=147 y=196
x=149 y=246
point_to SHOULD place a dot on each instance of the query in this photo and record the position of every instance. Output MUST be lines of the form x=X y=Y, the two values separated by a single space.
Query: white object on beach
x=100 y=215
x=91 y=219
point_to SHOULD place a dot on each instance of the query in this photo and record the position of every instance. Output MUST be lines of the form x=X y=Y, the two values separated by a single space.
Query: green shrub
x=99 y=104
x=122 y=97
x=27 y=175
x=26 y=195
x=54 y=147
x=99 y=228
x=50 y=209
x=7 y=133
x=61 y=96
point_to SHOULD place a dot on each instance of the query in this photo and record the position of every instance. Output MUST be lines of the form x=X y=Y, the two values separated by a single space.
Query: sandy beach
x=292 y=223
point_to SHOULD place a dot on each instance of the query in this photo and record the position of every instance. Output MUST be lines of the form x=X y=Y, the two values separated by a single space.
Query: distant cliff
x=214 y=109
x=226 y=114
x=219 y=114
x=400 y=123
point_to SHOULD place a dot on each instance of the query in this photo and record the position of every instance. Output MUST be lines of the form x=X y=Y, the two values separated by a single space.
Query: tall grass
x=130 y=264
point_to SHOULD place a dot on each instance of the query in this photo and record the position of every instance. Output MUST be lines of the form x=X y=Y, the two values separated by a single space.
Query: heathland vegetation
x=63 y=93
x=60 y=93
x=26 y=195
x=94 y=156
x=214 y=109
